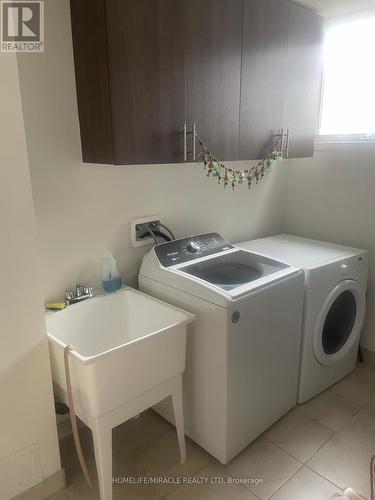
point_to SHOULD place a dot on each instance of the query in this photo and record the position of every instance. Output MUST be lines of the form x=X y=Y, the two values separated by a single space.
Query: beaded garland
x=230 y=176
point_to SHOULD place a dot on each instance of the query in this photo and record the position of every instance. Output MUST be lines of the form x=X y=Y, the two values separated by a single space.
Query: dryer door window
x=338 y=326
x=339 y=322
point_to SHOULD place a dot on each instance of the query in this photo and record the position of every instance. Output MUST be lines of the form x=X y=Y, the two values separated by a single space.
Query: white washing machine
x=243 y=349
x=334 y=305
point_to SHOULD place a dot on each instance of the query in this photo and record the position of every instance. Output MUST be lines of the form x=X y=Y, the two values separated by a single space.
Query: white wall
x=332 y=198
x=82 y=210
x=26 y=409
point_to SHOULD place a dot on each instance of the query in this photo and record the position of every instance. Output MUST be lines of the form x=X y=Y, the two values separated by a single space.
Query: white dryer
x=334 y=305
x=243 y=349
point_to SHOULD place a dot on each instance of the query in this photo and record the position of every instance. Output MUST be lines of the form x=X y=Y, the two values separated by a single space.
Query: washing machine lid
x=233 y=270
x=209 y=267
x=304 y=253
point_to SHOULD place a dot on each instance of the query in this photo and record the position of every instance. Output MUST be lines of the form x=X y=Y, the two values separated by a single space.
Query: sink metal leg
x=179 y=417
x=102 y=437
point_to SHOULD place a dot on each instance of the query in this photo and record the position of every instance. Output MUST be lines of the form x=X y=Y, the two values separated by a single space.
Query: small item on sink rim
x=111 y=279
x=55 y=306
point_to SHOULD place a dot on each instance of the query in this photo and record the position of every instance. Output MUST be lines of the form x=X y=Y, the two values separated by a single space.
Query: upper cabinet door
x=213 y=73
x=239 y=70
x=304 y=80
x=146 y=57
x=91 y=69
x=264 y=56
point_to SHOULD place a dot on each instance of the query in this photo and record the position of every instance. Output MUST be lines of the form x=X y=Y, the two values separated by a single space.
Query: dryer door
x=339 y=323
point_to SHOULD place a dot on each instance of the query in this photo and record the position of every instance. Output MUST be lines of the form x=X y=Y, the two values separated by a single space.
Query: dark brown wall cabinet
x=281 y=78
x=303 y=80
x=264 y=60
x=213 y=73
x=239 y=71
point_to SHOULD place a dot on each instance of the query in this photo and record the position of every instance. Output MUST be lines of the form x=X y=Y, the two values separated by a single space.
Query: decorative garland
x=230 y=176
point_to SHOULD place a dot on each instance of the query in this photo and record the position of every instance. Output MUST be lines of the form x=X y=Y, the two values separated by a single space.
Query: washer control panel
x=188 y=249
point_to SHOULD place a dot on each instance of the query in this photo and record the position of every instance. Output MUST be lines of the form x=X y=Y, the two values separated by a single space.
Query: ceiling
x=335 y=8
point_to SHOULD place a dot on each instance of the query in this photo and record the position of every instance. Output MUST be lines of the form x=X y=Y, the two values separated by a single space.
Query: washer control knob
x=193 y=247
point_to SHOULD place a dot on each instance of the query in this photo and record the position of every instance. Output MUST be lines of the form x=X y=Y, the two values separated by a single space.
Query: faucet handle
x=69 y=295
x=80 y=290
x=89 y=291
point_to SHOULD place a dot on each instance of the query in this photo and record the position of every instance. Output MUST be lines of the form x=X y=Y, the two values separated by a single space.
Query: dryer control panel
x=188 y=249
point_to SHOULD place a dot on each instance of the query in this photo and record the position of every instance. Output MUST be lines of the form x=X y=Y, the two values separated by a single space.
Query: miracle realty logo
x=22 y=26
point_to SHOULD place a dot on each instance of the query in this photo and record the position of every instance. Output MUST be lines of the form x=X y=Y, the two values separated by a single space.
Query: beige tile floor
x=315 y=451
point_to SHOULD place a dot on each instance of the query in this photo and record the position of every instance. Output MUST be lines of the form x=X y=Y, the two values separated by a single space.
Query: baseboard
x=368 y=355
x=46 y=489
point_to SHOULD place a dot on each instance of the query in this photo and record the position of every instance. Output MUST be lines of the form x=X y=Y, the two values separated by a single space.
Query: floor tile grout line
x=249 y=490
x=302 y=464
x=245 y=486
x=291 y=456
x=322 y=446
x=289 y=478
x=298 y=459
x=323 y=477
x=342 y=426
x=320 y=474
x=356 y=414
x=180 y=486
x=349 y=419
x=345 y=438
x=333 y=434
x=212 y=463
x=312 y=418
x=288 y=453
x=228 y=473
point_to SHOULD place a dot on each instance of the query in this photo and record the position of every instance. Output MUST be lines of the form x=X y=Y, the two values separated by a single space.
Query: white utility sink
x=129 y=354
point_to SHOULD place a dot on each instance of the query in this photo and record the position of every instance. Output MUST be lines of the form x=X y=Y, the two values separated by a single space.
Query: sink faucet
x=81 y=292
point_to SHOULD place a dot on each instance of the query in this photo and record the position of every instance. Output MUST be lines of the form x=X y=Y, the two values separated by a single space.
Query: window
x=348 y=107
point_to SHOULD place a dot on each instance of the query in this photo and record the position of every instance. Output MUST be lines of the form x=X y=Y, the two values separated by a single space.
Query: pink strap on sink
x=73 y=418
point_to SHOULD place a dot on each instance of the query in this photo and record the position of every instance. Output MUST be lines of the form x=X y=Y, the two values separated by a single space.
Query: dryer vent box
x=139 y=227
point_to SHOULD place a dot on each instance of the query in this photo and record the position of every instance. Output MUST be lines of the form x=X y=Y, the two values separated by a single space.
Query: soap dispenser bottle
x=111 y=279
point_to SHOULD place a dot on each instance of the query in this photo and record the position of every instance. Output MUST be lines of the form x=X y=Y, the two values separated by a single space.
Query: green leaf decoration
x=217 y=169
x=226 y=175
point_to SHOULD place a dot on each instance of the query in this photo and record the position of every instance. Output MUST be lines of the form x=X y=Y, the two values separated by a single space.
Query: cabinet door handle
x=194 y=146
x=282 y=142
x=185 y=143
x=287 y=143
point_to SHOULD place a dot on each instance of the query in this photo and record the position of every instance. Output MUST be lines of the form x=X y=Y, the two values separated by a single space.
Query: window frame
x=345 y=138
x=332 y=140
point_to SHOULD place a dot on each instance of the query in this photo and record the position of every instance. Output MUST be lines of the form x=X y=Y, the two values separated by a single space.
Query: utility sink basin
x=128 y=354
x=124 y=344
